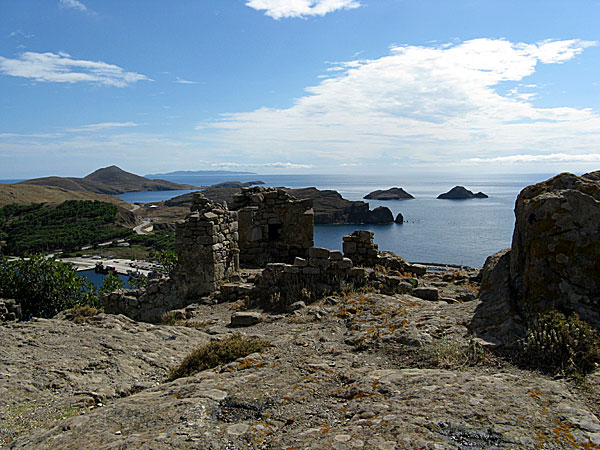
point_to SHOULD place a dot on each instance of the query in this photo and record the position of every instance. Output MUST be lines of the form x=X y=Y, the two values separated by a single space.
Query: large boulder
x=381 y=214
x=555 y=257
x=496 y=319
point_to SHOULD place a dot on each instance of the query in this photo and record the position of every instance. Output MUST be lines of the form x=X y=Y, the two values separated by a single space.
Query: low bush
x=43 y=286
x=216 y=353
x=561 y=345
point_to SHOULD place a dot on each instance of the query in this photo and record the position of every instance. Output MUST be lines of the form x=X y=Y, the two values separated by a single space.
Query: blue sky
x=298 y=86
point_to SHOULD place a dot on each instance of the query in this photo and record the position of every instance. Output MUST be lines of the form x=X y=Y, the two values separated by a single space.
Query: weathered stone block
x=311 y=270
x=426 y=293
x=349 y=247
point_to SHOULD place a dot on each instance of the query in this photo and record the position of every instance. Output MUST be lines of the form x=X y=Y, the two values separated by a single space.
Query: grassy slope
x=30 y=193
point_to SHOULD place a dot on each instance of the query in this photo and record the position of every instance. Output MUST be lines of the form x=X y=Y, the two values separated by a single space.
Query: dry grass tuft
x=216 y=353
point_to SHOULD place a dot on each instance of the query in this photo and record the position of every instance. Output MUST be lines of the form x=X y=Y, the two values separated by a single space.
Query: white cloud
x=278 y=9
x=553 y=157
x=427 y=105
x=182 y=81
x=20 y=33
x=61 y=68
x=103 y=126
x=73 y=4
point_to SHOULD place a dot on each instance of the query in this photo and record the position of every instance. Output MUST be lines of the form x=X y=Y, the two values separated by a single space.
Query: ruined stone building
x=273 y=226
x=207 y=247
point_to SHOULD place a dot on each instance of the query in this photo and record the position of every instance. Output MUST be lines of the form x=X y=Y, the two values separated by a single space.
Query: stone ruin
x=207 y=247
x=273 y=226
x=208 y=254
x=10 y=310
x=270 y=229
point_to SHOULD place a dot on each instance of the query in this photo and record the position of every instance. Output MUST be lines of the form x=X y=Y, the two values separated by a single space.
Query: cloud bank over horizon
x=424 y=105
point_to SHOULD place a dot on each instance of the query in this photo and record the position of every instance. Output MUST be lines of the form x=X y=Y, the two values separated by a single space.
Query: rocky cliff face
x=555 y=256
x=554 y=261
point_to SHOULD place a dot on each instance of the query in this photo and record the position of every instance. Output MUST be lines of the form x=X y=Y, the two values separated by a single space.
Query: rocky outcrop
x=331 y=208
x=394 y=193
x=381 y=214
x=353 y=372
x=554 y=261
x=496 y=318
x=399 y=219
x=460 y=193
x=555 y=256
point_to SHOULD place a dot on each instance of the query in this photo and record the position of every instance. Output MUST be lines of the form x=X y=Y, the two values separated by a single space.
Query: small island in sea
x=460 y=193
x=394 y=193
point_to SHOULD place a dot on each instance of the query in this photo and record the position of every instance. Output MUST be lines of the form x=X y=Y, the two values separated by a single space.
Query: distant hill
x=109 y=180
x=187 y=173
x=31 y=193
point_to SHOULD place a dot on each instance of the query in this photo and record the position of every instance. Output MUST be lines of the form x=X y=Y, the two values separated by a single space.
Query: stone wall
x=362 y=250
x=148 y=304
x=207 y=247
x=273 y=226
x=323 y=272
x=9 y=310
x=207 y=250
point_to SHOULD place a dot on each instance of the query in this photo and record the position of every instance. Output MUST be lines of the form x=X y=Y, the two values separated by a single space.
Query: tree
x=43 y=286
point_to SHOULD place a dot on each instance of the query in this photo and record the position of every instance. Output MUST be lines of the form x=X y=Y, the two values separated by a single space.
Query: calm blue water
x=96 y=278
x=445 y=231
x=151 y=196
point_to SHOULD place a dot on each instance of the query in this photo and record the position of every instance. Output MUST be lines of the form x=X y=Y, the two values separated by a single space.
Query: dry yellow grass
x=29 y=193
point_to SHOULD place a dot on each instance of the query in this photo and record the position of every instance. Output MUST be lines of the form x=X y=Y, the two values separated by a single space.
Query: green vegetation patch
x=44 y=287
x=158 y=240
x=216 y=353
x=561 y=345
x=68 y=226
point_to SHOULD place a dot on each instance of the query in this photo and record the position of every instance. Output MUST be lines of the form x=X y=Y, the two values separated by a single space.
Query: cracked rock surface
x=357 y=371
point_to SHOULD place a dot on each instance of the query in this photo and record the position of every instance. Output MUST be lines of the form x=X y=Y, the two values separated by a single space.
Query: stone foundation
x=322 y=273
x=362 y=250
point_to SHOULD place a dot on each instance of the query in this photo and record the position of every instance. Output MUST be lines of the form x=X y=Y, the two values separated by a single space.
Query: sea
x=459 y=232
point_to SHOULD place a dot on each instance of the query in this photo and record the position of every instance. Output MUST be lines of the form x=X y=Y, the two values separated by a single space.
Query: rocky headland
x=394 y=193
x=328 y=205
x=461 y=193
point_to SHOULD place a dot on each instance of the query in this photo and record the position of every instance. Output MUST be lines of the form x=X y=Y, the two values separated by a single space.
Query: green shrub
x=44 y=287
x=561 y=345
x=216 y=353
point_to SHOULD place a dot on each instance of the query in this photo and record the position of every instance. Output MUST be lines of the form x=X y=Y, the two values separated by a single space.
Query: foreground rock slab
x=346 y=372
